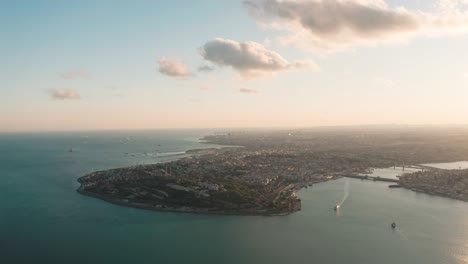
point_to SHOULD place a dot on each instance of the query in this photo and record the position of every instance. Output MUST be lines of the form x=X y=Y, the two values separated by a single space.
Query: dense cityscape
x=263 y=172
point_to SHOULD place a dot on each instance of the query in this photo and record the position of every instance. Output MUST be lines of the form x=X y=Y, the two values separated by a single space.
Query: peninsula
x=263 y=176
x=447 y=183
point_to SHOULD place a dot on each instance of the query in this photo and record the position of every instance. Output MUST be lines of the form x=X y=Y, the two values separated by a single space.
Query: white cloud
x=172 y=67
x=338 y=24
x=249 y=58
x=63 y=94
x=75 y=74
x=450 y=6
x=465 y=75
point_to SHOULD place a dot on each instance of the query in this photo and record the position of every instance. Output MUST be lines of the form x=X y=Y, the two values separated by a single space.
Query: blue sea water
x=44 y=220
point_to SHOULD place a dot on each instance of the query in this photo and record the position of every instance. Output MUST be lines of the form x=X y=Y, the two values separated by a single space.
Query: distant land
x=447 y=183
x=263 y=175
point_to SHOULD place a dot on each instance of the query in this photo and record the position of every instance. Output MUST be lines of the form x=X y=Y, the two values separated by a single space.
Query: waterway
x=44 y=220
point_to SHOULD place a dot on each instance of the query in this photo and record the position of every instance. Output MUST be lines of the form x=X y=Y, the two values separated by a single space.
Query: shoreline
x=201 y=151
x=207 y=154
x=174 y=210
x=430 y=193
x=120 y=202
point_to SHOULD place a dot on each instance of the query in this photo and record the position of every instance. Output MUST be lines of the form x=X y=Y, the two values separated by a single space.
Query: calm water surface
x=44 y=220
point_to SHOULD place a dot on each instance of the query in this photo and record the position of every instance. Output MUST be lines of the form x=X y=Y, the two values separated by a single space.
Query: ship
x=336 y=207
x=393 y=225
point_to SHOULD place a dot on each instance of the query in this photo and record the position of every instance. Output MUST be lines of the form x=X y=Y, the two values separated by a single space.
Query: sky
x=93 y=65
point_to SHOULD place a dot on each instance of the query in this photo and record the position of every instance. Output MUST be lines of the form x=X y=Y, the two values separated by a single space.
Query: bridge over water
x=372 y=178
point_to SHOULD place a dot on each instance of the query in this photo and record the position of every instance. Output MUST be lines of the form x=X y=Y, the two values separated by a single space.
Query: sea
x=44 y=220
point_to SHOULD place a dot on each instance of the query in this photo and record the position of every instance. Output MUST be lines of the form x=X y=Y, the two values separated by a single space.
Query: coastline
x=431 y=193
x=448 y=183
x=175 y=210
x=278 y=173
x=191 y=153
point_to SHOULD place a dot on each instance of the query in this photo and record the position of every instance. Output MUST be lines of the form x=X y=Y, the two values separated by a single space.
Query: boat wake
x=345 y=197
x=401 y=234
x=346 y=193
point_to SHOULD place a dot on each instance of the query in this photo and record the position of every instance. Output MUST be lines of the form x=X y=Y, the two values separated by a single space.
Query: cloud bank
x=172 y=67
x=338 y=24
x=63 y=94
x=249 y=58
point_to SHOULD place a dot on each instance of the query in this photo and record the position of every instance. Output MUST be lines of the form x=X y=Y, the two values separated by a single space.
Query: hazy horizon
x=116 y=65
x=361 y=127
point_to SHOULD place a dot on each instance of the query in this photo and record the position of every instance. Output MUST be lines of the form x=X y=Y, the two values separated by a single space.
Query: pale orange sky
x=211 y=68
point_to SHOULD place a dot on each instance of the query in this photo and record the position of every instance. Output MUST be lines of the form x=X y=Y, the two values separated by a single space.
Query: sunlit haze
x=234 y=131
x=85 y=65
